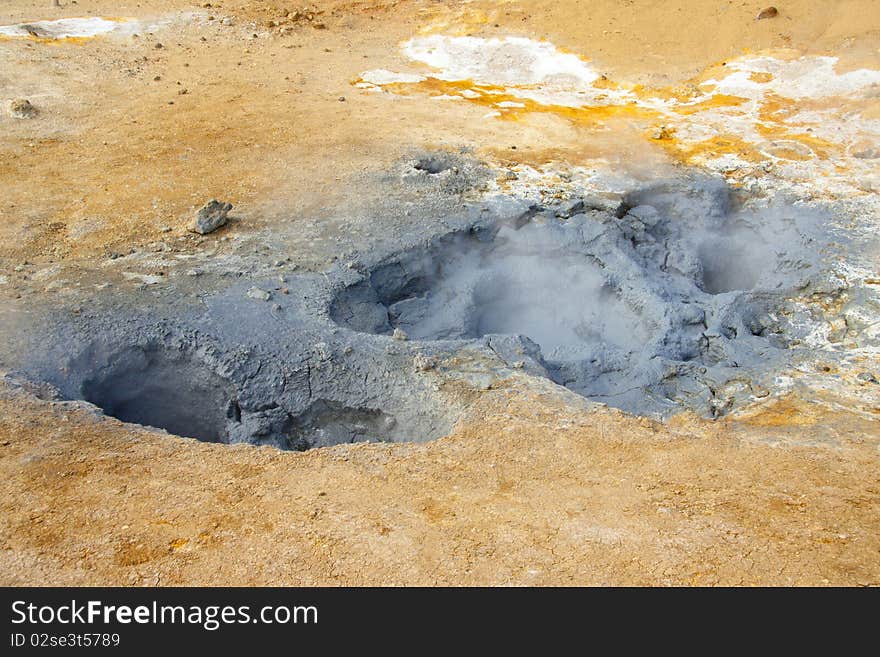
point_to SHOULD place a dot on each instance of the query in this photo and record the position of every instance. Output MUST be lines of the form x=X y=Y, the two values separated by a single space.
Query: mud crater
x=190 y=385
x=657 y=301
x=155 y=388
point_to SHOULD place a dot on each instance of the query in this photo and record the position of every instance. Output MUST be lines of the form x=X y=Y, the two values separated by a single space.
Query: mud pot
x=677 y=295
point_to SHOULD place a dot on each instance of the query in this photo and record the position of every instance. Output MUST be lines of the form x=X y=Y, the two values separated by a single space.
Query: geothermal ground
x=510 y=293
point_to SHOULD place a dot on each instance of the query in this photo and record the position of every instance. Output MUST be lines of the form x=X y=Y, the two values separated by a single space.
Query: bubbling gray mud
x=663 y=300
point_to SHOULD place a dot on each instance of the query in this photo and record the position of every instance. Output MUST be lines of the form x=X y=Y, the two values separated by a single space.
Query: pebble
x=423 y=363
x=866 y=377
x=769 y=12
x=867 y=153
x=21 y=108
x=257 y=293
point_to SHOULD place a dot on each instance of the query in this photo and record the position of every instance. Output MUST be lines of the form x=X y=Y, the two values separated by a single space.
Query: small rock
x=423 y=363
x=661 y=133
x=193 y=272
x=867 y=152
x=257 y=293
x=342 y=99
x=21 y=108
x=398 y=334
x=211 y=217
x=866 y=377
x=769 y=12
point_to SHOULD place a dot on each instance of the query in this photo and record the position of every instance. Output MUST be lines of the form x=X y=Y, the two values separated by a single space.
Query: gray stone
x=21 y=108
x=211 y=217
x=867 y=153
x=866 y=377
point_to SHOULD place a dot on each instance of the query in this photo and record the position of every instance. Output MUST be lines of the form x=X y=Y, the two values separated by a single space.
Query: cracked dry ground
x=529 y=488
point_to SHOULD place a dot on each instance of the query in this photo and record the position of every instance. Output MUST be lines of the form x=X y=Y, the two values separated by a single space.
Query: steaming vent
x=622 y=305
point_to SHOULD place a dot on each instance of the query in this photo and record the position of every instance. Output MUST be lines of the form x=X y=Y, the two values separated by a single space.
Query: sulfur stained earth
x=259 y=104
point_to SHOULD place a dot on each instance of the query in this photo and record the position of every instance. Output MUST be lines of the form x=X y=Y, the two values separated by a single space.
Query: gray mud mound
x=671 y=297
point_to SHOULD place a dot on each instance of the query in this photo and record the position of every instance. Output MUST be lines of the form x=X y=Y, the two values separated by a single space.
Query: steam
x=524 y=282
x=763 y=248
x=627 y=305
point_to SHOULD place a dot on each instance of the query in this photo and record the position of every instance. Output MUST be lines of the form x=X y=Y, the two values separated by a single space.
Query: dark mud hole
x=674 y=297
x=185 y=398
x=149 y=387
